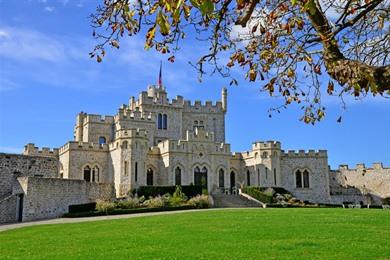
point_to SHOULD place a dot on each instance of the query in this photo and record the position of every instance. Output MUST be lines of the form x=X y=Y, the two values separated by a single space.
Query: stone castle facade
x=156 y=141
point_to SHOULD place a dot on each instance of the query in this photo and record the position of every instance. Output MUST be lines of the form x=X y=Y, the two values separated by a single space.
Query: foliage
x=128 y=203
x=156 y=202
x=178 y=198
x=289 y=47
x=153 y=191
x=256 y=193
x=291 y=233
x=200 y=201
x=105 y=206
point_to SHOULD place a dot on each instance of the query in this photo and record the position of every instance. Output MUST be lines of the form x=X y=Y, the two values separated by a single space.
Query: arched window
x=248 y=178
x=124 y=145
x=95 y=174
x=298 y=179
x=221 y=178
x=232 y=180
x=125 y=170
x=87 y=173
x=306 y=179
x=258 y=176
x=265 y=155
x=275 y=177
x=102 y=140
x=165 y=121
x=149 y=177
x=177 y=176
x=159 y=121
x=200 y=176
x=256 y=155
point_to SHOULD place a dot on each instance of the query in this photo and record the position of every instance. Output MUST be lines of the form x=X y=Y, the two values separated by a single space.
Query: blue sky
x=46 y=78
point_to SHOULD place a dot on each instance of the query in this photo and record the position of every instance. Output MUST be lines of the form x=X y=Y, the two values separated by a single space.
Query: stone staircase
x=233 y=201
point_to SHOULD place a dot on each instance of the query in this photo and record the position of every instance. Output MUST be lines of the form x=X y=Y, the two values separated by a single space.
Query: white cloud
x=49 y=8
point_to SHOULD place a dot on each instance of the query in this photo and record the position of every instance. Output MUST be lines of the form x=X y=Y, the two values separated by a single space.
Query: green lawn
x=228 y=234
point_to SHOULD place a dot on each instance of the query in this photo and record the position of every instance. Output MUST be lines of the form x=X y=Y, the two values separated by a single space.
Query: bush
x=153 y=191
x=104 y=206
x=256 y=193
x=178 y=198
x=200 y=201
x=128 y=203
x=156 y=202
x=82 y=207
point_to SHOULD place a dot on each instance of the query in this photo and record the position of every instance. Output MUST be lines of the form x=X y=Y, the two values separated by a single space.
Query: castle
x=156 y=141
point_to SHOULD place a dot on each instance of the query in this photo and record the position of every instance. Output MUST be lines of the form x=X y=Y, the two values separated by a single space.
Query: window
x=136 y=171
x=95 y=174
x=248 y=178
x=159 y=121
x=266 y=173
x=165 y=121
x=102 y=140
x=265 y=155
x=125 y=170
x=87 y=173
x=302 y=179
x=124 y=145
x=177 y=176
x=221 y=178
x=298 y=179
x=149 y=177
x=258 y=176
x=305 y=179
x=200 y=177
x=274 y=176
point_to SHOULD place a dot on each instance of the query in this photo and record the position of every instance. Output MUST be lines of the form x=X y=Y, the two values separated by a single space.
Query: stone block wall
x=50 y=197
x=8 y=209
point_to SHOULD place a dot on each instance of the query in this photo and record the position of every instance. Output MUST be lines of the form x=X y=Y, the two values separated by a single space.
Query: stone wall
x=15 y=165
x=8 y=209
x=50 y=197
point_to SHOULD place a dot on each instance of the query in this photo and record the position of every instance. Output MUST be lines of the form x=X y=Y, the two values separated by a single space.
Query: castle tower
x=78 y=129
x=268 y=154
x=224 y=99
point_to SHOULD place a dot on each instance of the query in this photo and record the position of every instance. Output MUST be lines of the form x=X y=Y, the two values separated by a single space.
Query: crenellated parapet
x=31 y=150
x=199 y=135
x=304 y=153
x=362 y=167
x=266 y=145
x=131 y=133
x=91 y=118
x=199 y=107
x=83 y=146
x=125 y=113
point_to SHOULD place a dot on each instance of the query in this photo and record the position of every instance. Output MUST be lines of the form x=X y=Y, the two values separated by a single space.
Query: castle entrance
x=200 y=177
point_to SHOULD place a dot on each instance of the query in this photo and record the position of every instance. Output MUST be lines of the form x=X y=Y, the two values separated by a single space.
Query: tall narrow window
x=221 y=178
x=177 y=176
x=275 y=177
x=165 y=121
x=136 y=171
x=298 y=179
x=306 y=179
x=159 y=121
x=266 y=173
x=87 y=173
x=95 y=174
x=258 y=176
x=149 y=177
x=248 y=178
x=125 y=169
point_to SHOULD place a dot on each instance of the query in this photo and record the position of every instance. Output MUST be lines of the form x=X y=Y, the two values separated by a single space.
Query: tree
x=290 y=46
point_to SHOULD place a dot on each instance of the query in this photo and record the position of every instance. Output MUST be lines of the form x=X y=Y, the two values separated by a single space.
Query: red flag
x=160 y=76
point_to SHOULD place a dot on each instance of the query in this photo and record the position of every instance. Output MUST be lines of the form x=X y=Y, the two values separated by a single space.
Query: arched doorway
x=232 y=181
x=200 y=177
x=149 y=177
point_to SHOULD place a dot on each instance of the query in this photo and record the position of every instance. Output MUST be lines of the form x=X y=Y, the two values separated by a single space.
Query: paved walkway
x=86 y=219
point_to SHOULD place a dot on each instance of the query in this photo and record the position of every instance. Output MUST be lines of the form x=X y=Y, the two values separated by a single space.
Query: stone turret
x=224 y=100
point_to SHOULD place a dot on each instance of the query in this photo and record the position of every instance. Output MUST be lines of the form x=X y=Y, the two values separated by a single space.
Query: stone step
x=232 y=201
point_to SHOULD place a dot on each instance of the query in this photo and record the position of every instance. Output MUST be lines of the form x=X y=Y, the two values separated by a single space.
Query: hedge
x=256 y=193
x=153 y=191
x=125 y=211
x=82 y=207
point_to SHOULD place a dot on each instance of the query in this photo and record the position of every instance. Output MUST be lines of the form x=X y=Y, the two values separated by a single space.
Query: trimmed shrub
x=153 y=191
x=104 y=206
x=156 y=202
x=200 y=201
x=129 y=203
x=82 y=207
x=256 y=193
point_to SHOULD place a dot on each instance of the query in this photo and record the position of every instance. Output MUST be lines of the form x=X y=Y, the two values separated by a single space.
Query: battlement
x=90 y=118
x=125 y=113
x=73 y=145
x=206 y=107
x=266 y=145
x=131 y=133
x=199 y=134
x=184 y=146
x=362 y=166
x=31 y=150
x=237 y=156
x=303 y=153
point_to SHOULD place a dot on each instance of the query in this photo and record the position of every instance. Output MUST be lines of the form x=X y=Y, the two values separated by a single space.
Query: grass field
x=228 y=234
